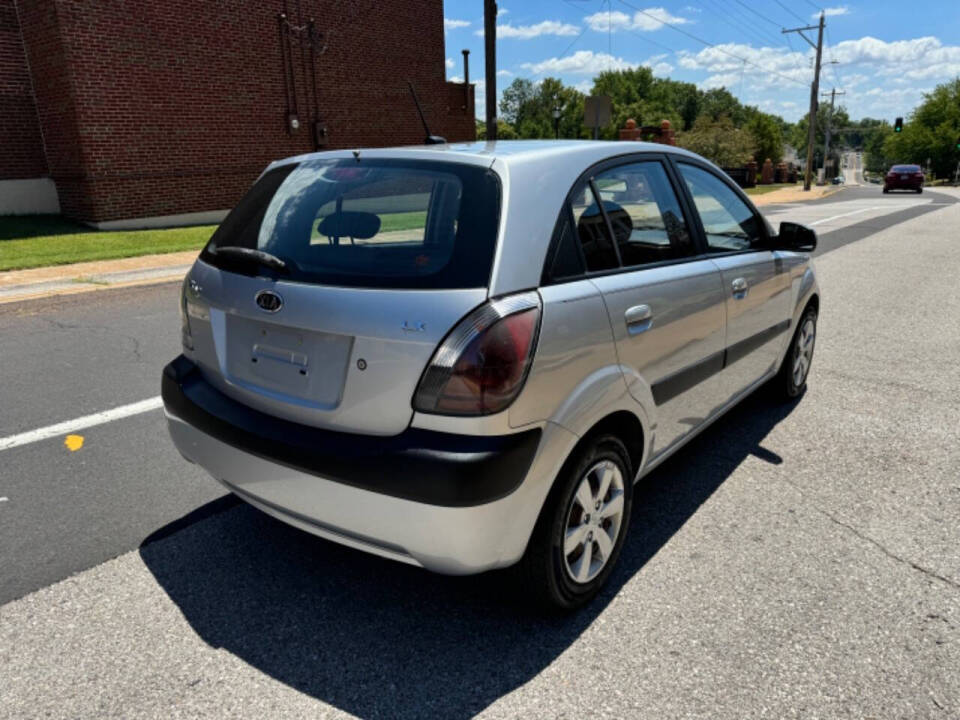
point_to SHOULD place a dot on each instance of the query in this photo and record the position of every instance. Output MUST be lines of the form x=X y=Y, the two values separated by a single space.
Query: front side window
x=648 y=224
x=728 y=222
x=369 y=223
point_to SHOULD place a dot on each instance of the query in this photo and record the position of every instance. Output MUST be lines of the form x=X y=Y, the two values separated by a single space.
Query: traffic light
x=898 y=125
x=958 y=143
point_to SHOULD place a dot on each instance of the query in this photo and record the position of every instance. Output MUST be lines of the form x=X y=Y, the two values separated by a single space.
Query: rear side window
x=598 y=250
x=369 y=223
x=647 y=222
x=728 y=222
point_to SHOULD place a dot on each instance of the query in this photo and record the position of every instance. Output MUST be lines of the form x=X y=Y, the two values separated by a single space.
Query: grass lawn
x=763 y=189
x=28 y=241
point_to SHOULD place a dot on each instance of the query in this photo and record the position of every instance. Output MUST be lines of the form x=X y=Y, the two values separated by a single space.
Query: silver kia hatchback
x=463 y=357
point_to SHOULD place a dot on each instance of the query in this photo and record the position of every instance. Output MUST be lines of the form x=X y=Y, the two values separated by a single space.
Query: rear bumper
x=902 y=184
x=450 y=503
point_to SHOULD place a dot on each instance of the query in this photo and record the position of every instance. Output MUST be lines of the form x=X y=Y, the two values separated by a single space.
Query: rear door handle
x=739 y=287
x=638 y=318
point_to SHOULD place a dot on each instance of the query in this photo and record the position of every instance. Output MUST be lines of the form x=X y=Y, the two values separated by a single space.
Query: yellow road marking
x=73 y=442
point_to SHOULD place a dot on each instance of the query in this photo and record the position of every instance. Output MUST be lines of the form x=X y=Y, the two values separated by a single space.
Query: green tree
x=719 y=140
x=505 y=130
x=766 y=132
x=529 y=109
x=931 y=132
x=515 y=96
x=719 y=103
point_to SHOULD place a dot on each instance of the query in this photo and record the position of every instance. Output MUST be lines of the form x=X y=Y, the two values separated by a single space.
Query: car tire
x=791 y=379
x=920 y=190
x=556 y=571
x=885 y=191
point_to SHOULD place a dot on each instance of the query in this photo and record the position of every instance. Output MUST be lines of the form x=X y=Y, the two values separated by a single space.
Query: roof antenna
x=429 y=139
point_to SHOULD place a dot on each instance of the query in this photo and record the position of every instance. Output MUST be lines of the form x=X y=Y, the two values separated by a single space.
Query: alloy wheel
x=593 y=523
x=803 y=352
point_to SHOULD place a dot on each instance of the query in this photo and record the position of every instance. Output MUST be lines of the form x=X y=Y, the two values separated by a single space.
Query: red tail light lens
x=482 y=364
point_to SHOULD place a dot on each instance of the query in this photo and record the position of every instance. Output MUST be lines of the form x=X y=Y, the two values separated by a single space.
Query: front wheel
x=582 y=526
x=792 y=378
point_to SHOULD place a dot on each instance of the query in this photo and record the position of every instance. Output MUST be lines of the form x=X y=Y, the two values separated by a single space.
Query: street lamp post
x=557 y=110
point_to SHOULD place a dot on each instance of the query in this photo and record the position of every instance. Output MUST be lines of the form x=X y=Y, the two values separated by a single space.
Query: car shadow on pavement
x=377 y=638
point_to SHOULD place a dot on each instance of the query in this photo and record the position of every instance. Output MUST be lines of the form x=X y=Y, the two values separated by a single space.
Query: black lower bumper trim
x=420 y=465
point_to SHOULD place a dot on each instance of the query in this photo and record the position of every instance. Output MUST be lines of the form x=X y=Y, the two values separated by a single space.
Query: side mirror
x=795 y=237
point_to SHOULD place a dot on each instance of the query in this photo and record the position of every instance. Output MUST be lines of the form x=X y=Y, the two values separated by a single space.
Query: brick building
x=139 y=112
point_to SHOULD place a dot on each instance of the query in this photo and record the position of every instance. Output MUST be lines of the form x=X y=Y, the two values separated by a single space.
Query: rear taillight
x=482 y=364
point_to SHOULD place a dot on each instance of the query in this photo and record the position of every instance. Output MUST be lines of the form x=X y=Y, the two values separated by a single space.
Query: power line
x=741 y=23
x=759 y=14
x=711 y=45
x=738 y=27
x=790 y=11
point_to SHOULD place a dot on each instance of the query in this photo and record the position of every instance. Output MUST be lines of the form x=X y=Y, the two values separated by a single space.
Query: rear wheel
x=885 y=191
x=582 y=527
x=919 y=190
x=792 y=378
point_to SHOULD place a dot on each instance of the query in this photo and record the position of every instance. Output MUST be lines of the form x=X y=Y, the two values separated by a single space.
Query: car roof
x=585 y=152
x=535 y=177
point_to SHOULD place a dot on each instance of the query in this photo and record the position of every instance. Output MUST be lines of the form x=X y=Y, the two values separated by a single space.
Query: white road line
x=855 y=212
x=81 y=423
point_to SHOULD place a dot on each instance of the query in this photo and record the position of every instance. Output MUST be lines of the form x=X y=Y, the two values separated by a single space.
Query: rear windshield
x=367 y=223
x=905 y=168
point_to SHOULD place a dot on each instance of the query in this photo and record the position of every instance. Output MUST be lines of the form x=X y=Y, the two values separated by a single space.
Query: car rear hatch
x=323 y=295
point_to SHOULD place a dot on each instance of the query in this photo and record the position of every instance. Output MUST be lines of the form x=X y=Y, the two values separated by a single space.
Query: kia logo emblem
x=269 y=301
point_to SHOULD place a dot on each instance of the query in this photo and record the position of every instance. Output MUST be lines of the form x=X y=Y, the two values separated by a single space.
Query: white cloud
x=504 y=73
x=449 y=64
x=582 y=62
x=648 y=20
x=831 y=12
x=502 y=11
x=451 y=24
x=526 y=32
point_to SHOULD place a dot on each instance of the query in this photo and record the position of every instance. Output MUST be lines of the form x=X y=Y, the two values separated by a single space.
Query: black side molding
x=419 y=465
x=669 y=387
x=740 y=350
x=682 y=380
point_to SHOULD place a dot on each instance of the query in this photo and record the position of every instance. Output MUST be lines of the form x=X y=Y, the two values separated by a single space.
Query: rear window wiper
x=259 y=256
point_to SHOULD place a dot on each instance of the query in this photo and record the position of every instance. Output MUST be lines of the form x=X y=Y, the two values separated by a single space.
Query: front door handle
x=639 y=318
x=739 y=287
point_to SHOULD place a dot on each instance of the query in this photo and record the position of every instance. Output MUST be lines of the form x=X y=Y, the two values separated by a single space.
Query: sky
x=884 y=54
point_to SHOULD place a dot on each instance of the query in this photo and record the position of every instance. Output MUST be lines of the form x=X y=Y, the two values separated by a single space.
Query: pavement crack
x=877 y=544
x=886 y=551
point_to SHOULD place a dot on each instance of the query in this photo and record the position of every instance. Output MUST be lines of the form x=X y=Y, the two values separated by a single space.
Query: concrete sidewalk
x=83 y=277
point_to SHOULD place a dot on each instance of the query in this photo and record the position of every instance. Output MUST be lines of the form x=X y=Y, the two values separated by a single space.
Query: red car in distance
x=903 y=177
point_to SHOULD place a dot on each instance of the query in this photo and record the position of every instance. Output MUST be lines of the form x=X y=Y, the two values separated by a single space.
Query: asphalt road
x=794 y=561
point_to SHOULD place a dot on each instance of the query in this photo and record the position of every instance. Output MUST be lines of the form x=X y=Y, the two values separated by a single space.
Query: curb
x=91 y=283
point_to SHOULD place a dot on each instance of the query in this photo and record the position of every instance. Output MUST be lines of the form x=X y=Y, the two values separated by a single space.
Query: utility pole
x=814 y=93
x=490 y=58
x=826 y=144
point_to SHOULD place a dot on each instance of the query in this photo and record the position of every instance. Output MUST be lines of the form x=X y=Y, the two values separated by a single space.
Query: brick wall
x=160 y=108
x=21 y=147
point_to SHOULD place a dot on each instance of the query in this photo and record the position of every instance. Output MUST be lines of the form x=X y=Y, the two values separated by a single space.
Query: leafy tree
x=874 y=158
x=766 y=132
x=931 y=132
x=505 y=130
x=515 y=96
x=529 y=108
x=719 y=103
x=719 y=140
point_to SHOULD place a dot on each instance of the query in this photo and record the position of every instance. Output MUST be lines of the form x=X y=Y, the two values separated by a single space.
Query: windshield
x=368 y=223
